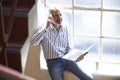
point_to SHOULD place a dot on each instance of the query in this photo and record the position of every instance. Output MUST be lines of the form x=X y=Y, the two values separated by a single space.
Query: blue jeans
x=57 y=66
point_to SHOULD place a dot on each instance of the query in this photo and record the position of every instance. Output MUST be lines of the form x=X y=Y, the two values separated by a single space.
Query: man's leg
x=74 y=68
x=55 y=68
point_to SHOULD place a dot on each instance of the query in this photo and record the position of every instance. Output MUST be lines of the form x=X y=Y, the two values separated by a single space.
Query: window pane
x=106 y=68
x=111 y=50
x=67 y=18
x=111 y=24
x=111 y=4
x=87 y=23
x=84 y=43
x=84 y=66
x=87 y=3
x=64 y=3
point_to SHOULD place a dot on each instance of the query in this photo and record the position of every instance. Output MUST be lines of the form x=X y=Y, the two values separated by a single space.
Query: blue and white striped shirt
x=55 y=44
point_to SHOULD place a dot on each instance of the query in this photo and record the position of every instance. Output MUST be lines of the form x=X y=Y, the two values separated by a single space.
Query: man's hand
x=81 y=57
x=49 y=21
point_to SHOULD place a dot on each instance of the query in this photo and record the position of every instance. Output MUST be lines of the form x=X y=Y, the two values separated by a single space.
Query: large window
x=94 y=21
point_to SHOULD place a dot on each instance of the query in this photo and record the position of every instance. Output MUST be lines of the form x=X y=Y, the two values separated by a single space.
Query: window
x=94 y=21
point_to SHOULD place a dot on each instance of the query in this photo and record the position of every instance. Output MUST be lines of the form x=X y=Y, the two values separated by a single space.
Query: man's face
x=57 y=16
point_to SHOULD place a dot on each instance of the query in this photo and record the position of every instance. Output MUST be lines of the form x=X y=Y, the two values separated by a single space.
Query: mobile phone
x=51 y=19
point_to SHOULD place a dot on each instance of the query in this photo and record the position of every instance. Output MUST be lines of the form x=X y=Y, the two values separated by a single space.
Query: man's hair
x=53 y=9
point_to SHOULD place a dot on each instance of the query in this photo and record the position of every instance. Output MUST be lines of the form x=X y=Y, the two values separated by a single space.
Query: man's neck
x=57 y=27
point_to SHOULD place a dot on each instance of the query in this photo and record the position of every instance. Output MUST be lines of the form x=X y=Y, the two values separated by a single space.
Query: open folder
x=75 y=53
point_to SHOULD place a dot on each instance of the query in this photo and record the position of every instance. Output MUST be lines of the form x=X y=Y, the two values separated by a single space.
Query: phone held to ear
x=51 y=19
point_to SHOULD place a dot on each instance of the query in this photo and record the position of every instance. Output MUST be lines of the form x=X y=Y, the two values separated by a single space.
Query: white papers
x=75 y=53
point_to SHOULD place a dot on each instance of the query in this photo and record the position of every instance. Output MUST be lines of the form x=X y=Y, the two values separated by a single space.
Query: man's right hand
x=49 y=21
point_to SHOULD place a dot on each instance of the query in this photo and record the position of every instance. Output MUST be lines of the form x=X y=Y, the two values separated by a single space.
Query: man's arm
x=37 y=36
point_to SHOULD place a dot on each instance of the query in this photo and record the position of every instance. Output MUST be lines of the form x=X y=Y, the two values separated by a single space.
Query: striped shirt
x=55 y=44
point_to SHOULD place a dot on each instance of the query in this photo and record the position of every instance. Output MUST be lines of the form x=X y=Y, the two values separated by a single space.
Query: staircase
x=13 y=31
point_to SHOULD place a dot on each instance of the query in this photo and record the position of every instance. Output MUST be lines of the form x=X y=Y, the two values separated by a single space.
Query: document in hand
x=75 y=53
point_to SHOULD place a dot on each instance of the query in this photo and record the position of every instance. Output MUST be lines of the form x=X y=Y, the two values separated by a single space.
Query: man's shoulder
x=64 y=26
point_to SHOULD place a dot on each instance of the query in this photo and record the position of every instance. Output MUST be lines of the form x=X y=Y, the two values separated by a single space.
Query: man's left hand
x=81 y=57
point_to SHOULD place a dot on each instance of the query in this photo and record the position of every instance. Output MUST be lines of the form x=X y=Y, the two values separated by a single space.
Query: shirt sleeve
x=37 y=36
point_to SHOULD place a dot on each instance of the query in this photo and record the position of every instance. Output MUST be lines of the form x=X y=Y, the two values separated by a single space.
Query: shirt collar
x=52 y=27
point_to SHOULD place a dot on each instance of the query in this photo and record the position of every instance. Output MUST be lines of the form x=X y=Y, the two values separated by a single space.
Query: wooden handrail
x=11 y=19
x=11 y=73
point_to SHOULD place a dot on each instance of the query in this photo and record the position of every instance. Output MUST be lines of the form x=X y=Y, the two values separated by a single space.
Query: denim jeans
x=56 y=68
